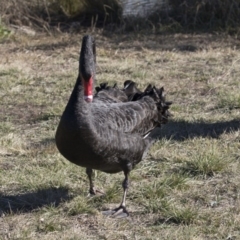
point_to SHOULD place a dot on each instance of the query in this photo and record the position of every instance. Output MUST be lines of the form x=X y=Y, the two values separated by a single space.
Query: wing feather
x=131 y=117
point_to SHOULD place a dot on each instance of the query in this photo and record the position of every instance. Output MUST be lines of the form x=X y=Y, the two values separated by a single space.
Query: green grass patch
x=4 y=31
x=178 y=215
x=228 y=100
x=155 y=206
x=205 y=165
x=79 y=205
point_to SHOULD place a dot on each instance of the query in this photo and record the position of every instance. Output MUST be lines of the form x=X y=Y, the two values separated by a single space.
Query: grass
x=206 y=164
x=4 y=32
x=187 y=188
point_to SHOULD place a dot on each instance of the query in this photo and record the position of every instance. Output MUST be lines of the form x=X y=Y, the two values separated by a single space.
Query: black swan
x=108 y=131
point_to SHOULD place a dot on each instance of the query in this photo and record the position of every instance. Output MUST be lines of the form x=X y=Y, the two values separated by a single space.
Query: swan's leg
x=91 y=177
x=121 y=211
x=125 y=188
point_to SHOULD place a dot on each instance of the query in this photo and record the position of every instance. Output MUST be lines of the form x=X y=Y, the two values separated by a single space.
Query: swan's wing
x=107 y=94
x=130 y=117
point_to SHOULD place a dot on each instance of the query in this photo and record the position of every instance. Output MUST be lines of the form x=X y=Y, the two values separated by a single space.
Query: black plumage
x=109 y=94
x=110 y=132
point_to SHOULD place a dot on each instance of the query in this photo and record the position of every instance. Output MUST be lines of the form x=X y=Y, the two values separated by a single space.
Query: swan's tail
x=157 y=94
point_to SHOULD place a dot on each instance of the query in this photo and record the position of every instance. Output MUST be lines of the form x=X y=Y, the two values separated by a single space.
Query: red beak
x=88 y=90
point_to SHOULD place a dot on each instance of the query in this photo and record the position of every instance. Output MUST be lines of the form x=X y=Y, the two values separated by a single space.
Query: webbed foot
x=120 y=212
x=95 y=192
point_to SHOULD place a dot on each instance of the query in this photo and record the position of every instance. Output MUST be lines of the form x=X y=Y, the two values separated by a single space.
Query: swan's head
x=87 y=66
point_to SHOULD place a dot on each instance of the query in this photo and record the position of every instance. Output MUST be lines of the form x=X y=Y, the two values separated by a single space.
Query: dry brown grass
x=188 y=188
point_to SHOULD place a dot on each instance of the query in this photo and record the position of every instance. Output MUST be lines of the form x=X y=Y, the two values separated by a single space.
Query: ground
x=188 y=186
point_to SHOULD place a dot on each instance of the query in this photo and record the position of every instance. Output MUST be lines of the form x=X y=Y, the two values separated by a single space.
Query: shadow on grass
x=166 y=42
x=31 y=201
x=182 y=130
